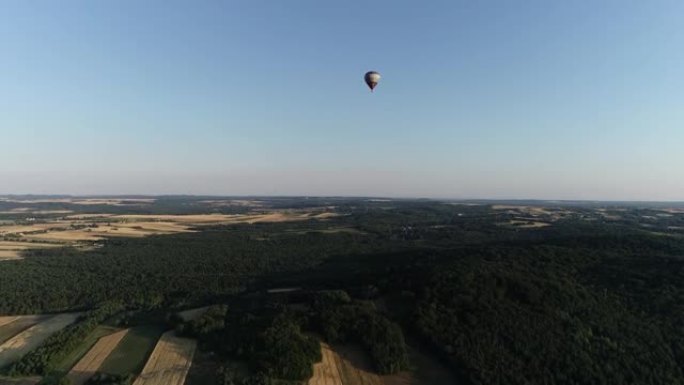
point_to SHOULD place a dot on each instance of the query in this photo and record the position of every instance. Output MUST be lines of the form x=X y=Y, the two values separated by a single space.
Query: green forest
x=583 y=300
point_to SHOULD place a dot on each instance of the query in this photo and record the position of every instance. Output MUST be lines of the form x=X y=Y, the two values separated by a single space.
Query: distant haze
x=496 y=99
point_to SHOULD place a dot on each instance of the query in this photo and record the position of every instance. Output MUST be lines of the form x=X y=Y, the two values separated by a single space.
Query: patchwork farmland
x=14 y=348
x=257 y=290
x=41 y=229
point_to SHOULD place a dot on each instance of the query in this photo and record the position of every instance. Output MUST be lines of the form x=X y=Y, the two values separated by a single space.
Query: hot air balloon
x=372 y=78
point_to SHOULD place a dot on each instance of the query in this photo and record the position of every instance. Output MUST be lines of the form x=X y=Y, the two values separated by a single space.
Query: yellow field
x=66 y=237
x=91 y=362
x=4 y=320
x=169 y=363
x=337 y=370
x=12 y=250
x=22 y=343
x=10 y=326
x=81 y=229
x=25 y=229
x=24 y=319
x=8 y=255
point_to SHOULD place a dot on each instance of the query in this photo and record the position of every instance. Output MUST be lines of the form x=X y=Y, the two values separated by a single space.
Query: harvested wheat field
x=82 y=229
x=66 y=236
x=336 y=370
x=9 y=255
x=12 y=250
x=13 y=325
x=4 y=320
x=91 y=362
x=169 y=363
x=14 y=348
x=34 y=228
x=141 y=229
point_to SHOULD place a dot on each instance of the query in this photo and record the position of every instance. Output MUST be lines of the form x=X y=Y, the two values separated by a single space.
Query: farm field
x=14 y=348
x=91 y=361
x=89 y=228
x=4 y=320
x=205 y=366
x=13 y=325
x=131 y=353
x=374 y=277
x=349 y=369
x=86 y=345
x=349 y=365
x=169 y=363
x=12 y=250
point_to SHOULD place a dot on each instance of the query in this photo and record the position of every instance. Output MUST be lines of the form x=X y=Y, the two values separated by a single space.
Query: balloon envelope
x=372 y=78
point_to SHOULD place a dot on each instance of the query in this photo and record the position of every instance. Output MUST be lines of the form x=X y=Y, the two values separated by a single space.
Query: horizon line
x=301 y=196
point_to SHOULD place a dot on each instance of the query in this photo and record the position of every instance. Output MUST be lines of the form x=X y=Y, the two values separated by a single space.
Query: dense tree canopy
x=583 y=300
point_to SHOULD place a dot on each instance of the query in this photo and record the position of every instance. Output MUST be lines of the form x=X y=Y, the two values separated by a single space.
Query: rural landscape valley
x=175 y=290
x=341 y=193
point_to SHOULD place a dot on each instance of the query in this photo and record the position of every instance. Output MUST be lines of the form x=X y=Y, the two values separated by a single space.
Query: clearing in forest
x=14 y=348
x=91 y=362
x=169 y=363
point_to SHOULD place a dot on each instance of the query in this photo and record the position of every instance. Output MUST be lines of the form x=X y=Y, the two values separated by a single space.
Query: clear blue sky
x=479 y=99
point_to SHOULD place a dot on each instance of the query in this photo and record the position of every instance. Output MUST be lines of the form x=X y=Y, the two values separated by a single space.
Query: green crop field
x=132 y=352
